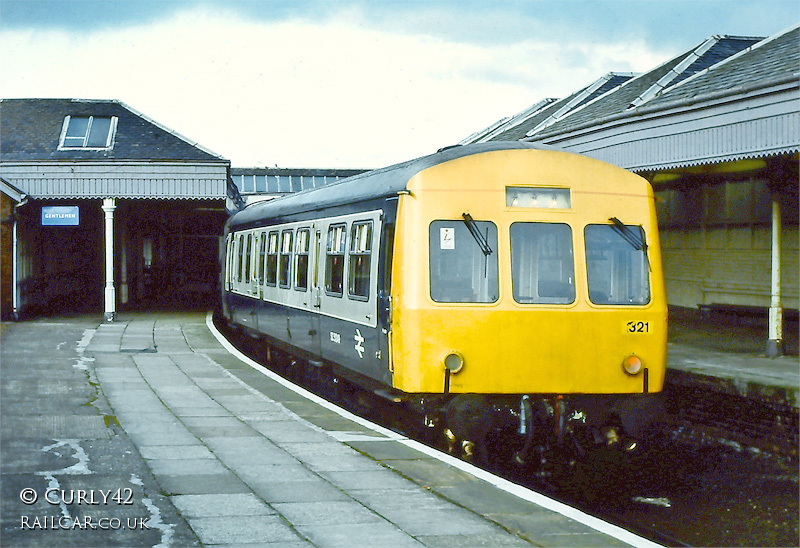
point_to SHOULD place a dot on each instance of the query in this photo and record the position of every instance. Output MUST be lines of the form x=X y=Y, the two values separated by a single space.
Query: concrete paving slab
x=185 y=467
x=202 y=484
x=430 y=473
x=217 y=505
x=287 y=431
x=175 y=452
x=335 y=512
x=491 y=540
x=380 y=450
x=374 y=535
x=303 y=489
x=263 y=474
x=380 y=481
x=163 y=438
x=200 y=409
x=244 y=530
x=254 y=450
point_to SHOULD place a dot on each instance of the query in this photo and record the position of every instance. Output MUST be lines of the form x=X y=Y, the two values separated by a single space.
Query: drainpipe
x=109 y=205
x=775 y=340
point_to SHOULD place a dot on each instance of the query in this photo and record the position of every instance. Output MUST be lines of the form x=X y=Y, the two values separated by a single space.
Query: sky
x=346 y=83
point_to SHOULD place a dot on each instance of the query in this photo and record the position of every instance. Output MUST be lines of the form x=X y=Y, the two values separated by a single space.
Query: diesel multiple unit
x=483 y=281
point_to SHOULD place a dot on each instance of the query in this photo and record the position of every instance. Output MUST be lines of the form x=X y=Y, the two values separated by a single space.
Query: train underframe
x=540 y=432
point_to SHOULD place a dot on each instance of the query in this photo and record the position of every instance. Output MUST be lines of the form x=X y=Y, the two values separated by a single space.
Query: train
x=511 y=294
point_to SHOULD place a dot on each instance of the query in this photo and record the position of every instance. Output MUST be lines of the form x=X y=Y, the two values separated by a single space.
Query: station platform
x=730 y=357
x=150 y=431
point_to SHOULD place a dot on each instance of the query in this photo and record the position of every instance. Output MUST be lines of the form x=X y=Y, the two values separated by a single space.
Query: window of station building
x=272 y=258
x=91 y=132
x=302 y=246
x=285 y=262
x=617 y=265
x=463 y=261
x=334 y=260
x=360 y=259
x=542 y=264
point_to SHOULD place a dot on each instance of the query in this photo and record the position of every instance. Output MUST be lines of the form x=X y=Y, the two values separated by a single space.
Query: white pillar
x=14 y=269
x=109 y=205
x=775 y=340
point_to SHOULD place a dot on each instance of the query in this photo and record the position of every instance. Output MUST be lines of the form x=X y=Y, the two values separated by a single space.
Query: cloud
x=302 y=93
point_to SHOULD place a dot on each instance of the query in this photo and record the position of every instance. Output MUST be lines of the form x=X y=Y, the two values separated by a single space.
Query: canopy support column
x=775 y=340
x=109 y=205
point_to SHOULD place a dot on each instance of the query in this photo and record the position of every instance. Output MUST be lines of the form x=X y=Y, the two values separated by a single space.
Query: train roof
x=379 y=183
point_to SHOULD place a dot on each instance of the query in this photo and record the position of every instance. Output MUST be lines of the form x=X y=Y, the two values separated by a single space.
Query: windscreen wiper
x=476 y=233
x=637 y=241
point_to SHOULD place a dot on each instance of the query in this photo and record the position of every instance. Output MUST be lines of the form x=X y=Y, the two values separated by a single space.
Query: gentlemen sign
x=60 y=216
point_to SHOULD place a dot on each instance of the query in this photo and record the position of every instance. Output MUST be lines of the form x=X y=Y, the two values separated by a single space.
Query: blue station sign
x=60 y=216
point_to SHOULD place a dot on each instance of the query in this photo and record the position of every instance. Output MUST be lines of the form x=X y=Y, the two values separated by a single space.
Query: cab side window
x=360 y=260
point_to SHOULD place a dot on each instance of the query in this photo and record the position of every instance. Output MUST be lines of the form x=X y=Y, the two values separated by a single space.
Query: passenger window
x=334 y=261
x=360 y=255
x=240 y=245
x=617 y=265
x=247 y=253
x=463 y=261
x=542 y=264
x=301 y=259
x=272 y=258
x=286 y=257
x=262 y=254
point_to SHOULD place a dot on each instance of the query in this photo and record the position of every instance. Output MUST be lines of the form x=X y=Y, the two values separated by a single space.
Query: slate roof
x=771 y=61
x=674 y=70
x=616 y=93
x=31 y=130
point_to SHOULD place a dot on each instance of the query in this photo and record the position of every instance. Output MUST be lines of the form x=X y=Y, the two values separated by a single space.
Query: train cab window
x=617 y=264
x=334 y=260
x=360 y=259
x=542 y=264
x=285 y=263
x=463 y=261
x=272 y=259
x=302 y=244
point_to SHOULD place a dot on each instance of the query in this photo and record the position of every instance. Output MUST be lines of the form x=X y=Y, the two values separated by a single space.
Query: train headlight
x=632 y=365
x=454 y=362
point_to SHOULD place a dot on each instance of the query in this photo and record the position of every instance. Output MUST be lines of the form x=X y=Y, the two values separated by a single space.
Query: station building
x=104 y=208
x=716 y=130
x=111 y=208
